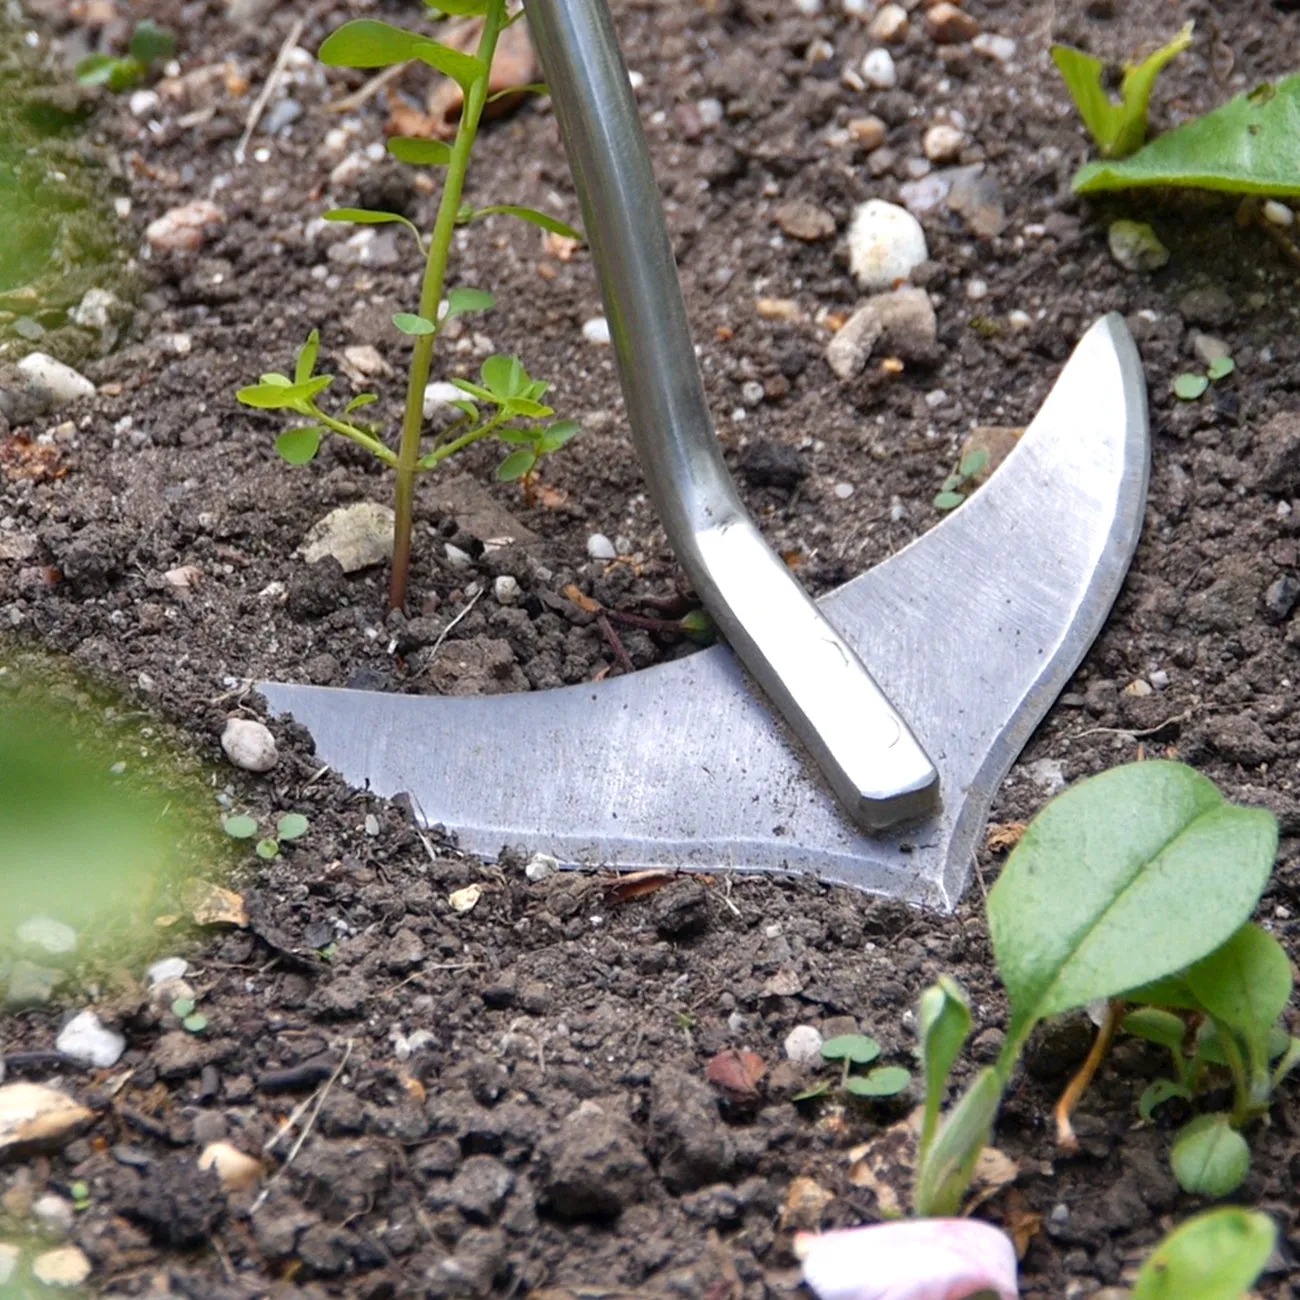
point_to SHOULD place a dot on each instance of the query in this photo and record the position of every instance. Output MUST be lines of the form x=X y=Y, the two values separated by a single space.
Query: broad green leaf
x=241 y=827
x=306 y=361
x=1209 y=1044
x=365 y=43
x=151 y=43
x=278 y=396
x=1210 y=1158
x=531 y=215
x=268 y=849
x=519 y=437
x=1159 y=1092
x=1171 y=992
x=974 y=464
x=360 y=400
x=298 y=446
x=943 y=1023
x=420 y=153
x=292 y=826
x=1214 y=1256
x=560 y=433
x=857 y=1048
x=1249 y=146
x=1221 y=368
x=529 y=410
x=945 y=1173
x=516 y=465
x=1189 y=387
x=461 y=301
x=411 y=324
x=504 y=376
x=949 y=500
x=463 y=69
x=459 y=8
x=1120 y=128
x=888 y=1081
x=533 y=88
x=1071 y=915
x=1156 y=1026
x=365 y=217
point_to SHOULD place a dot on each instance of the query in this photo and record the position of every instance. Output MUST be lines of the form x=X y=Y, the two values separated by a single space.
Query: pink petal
x=919 y=1259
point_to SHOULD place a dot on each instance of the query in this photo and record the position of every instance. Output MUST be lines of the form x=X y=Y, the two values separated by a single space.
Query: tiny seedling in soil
x=1189 y=387
x=957 y=487
x=290 y=827
x=192 y=1021
x=80 y=1194
x=505 y=402
x=149 y=44
x=858 y=1049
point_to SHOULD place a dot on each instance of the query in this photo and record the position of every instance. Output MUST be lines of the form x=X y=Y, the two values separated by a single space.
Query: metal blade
x=972 y=631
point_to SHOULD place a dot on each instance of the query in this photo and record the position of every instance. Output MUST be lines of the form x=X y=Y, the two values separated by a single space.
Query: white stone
x=364 y=359
x=809 y=8
x=506 y=589
x=357 y=536
x=86 y=1040
x=237 y=1171
x=1159 y=679
x=183 y=577
x=439 y=395
x=1046 y=774
x=886 y=243
x=596 y=330
x=53 y=1215
x=457 y=558
x=96 y=309
x=64 y=384
x=249 y=745
x=1278 y=213
x=183 y=229
x=977 y=290
x=992 y=46
x=889 y=24
x=599 y=547
x=803 y=1045
x=349 y=171
x=752 y=392
x=143 y=102
x=541 y=866
x=1018 y=319
x=942 y=143
x=33 y=1115
x=878 y=69
x=65 y=1268
x=710 y=112
x=48 y=936
x=843 y=490
x=1207 y=349
x=169 y=968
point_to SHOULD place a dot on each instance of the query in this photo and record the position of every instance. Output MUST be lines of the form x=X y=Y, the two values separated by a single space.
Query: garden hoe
x=860 y=739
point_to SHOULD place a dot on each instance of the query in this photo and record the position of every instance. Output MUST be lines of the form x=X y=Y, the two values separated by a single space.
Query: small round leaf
x=888 y=1081
x=949 y=500
x=292 y=826
x=409 y=323
x=1210 y=1158
x=183 y=1007
x=268 y=849
x=195 y=1024
x=857 y=1048
x=242 y=827
x=1221 y=368
x=298 y=446
x=516 y=465
x=1189 y=387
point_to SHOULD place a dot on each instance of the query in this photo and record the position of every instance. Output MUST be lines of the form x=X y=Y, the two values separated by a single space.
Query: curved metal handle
x=864 y=748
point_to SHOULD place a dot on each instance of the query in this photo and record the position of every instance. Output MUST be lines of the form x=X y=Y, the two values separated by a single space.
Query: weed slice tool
x=860 y=738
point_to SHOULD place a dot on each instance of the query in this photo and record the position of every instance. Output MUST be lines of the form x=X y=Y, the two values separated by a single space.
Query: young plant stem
x=1077 y=1086
x=435 y=274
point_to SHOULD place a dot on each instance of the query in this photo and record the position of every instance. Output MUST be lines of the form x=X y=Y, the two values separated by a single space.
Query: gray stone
x=357 y=536
x=1210 y=306
x=480 y=1188
x=902 y=322
x=478 y=665
x=1280 y=440
x=1135 y=246
x=975 y=195
x=403 y=952
x=1207 y=349
x=592 y=1167
x=1280 y=598
x=693 y=1145
x=281 y=116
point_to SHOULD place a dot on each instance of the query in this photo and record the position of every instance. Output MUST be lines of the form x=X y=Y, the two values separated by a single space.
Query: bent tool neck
x=865 y=749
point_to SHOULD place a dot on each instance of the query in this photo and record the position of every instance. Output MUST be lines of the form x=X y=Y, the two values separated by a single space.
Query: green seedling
x=1214 y=1256
x=149 y=44
x=957 y=487
x=1122 y=882
x=506 y=402
x=290 y=827
x=858 y=1049
x=191 y=1021
x=1189 y=387
x=79 y=1192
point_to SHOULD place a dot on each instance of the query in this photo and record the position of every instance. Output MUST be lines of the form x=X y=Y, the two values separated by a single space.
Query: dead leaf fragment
x=784 y=984
x=637 y=884
x=805 y=1203
x=736 y=1072
x=26 y=461
x=580 y=599
x=209 y=904
x=1021 y=1224
x=1002 y=837
x=34 y=1117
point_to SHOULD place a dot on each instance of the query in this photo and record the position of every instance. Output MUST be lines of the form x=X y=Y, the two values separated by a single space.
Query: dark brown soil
x=513 y=1098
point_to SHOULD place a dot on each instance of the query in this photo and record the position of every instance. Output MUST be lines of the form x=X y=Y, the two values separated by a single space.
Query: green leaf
x=420 y=153
x=520 y=437
x=504 y=376
x=1189 y=387
x=531 y=215
x=516 y=465
x=1209 y=1044
x=241 y=827
x=96 y=69
x=949 y=500
x=817 y=1090
x=195 y=1024
x=411 y=324
x=298 y=446
x=699 y=627
x=528 y=409
x=1171 y=992
x=467 y=409
x=888 y=1081
x=1214 y=1256
x=943 y=1023
x=474 y=390
x=944 y=1175
x=307 y=354
x=1210 y=1158
x=360 y=400
x=182 y=1007
x=274 y=377
x=1071 y=915
x=459 y=8
x=462 y=301
x=857 y=1048
x=365 y=217
x=1287 y=1061
x=463 y=69
x=1156 y=1026
x=1159 y=1092
x=1221 y=368
x=1251 y=145
x=292 y=826
x=533 y=88
x=151 y=43
x=973 y=464
x=365 y=43
x=278 y=396
x=560 y=433
x=1120 y=128
x=268 y=849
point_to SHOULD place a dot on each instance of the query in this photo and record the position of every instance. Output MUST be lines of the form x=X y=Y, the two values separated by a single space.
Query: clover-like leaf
x=504 y=376
x=857 y=1048
x=268 y=849
x=888 y=1081
x=461 y=301
x=949 y=500
x=365 y=43
x=1220 y=368
x=1188 y=387
x=195 y=1024
x=516 y=465
x=292 y=826
x=182 y=1007
x=463 y=69
x=360 y=400
x=409 y=323
x=272 y=395
x=241 y=827
x=298 y=446
x=974 y=463
x=560 y=433
x=96 y=69
x=418 y=152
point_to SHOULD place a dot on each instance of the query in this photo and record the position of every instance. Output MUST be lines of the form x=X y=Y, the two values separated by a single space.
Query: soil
x=512 y=1098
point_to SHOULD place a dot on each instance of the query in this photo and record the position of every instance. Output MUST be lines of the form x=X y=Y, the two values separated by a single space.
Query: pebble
x=809 y=8
x=925 y=194
x=948 y=25
x=237 y=1171
x=886 y=243
x=45 y=935
x=96 y=309
x=249 y=745
x=1209 y=305
x=86 y=1040
x=878 y=69
x=710 y=112
x=803 y=1045
x=65 y=1268
x=869 y=132
x=364 y=361
x=282 y=116
x=347 y=173
x=541 y=866
x=1134 y=245
x=1000 y=48
x=1019 y=320
x=1047 y=774
x=357 y=536
x=144 y=102
x=976 y=196
x=596 y=330
x=183 y=577
x=1207 y=349
x=62 y=383
x=54 y=1215
x=506 y=589
x=752 y=392
x=942 y=143
x=804 y=221
x=903 y=321
x=1138 y=689
x=183 y=229
x=1159 y=679
x=1278 y=214
x=889 y=24
x=34 y=1116
x=843 y=490
x=599 y=547
x=1280 y=598
x=438 y=396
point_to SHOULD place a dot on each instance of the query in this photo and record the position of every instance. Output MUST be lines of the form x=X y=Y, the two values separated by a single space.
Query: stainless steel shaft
x=864 y=748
